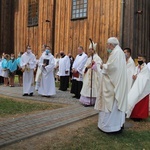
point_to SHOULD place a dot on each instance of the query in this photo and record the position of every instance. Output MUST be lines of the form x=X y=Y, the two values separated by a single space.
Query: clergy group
x=118 y=88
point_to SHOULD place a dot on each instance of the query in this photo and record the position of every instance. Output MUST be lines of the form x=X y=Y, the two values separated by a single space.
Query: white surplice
x=28 y=76
x=78 y=65
x=112 y=98
x=130 y=72
x=64 y=65
x=140 y=88
x=47 y=82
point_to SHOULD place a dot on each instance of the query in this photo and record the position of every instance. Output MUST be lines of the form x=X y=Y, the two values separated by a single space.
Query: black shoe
x=31 y=94
x=47 y=96
x=73 y=96
x=122 y=127
x=88 y=105
x=77 y=97
x=136 y=119
x=25 y=94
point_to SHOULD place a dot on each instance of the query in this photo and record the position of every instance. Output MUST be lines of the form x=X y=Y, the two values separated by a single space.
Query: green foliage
x=10 y=106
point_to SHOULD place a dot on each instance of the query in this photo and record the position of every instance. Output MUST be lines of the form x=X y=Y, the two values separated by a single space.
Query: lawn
x=10 y=106
x=90 y=138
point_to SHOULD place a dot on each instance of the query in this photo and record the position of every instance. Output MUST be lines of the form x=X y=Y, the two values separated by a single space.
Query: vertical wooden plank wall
x=102 y=22
x=6 y=26
x=142 y=28
x=136 y=27
x=37 y=35
x=128 y=24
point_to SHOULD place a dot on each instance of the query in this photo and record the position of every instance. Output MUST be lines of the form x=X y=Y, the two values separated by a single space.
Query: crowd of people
x=9 y=67
x=119 y=88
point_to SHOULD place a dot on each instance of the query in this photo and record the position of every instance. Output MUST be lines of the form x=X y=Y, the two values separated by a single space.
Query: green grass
x=11 y=107
x=16 y=79
x=57 y=84
x=90 y=138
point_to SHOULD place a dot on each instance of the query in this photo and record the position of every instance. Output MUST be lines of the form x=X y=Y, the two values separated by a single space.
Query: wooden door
x=141 y=40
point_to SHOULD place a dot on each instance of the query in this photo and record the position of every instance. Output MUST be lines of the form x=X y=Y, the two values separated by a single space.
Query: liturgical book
x=46 y=61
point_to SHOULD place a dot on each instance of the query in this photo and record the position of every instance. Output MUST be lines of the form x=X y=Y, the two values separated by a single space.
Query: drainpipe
x=122 y=22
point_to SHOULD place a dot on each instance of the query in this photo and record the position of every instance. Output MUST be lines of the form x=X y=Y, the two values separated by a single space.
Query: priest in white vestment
x=91 y=79
x=77 y=67
x=47 y=83
x=130 y=67
x=112 y=99
x=28 y=63
x=138 y=97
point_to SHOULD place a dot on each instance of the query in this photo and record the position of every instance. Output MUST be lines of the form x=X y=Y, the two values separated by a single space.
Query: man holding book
x=77 y=67
x=47 y=82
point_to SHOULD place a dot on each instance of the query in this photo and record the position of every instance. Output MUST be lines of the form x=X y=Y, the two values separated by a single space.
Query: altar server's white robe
x=130 y=72
x=28 y=76
x=78 y=65
x=140 y=88
x=64 y=65
x=112 y=98
x=47 y=82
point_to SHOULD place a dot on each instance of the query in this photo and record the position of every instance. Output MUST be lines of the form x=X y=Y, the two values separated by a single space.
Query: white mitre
x=113 y=40
x=94 y=45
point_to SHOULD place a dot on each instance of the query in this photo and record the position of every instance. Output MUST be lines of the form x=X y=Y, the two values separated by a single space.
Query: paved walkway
x=13 y=130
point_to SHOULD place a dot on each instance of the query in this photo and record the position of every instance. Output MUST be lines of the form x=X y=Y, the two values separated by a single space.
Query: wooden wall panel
x=6 y=26
x=101 y=23
x=34 y=36
x=136 y=31
x=40 y=26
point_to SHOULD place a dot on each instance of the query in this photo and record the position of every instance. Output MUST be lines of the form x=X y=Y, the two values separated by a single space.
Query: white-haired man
x=91 y=79
x=112 y=101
